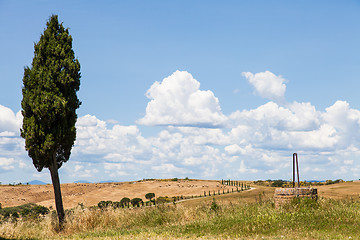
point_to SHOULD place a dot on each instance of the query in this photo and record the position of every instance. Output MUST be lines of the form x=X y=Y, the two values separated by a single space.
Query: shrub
x=149 y=196
x=104 y=204
x=15 y=216
x=165 y=199
x=25 y=212
x=40 y=210
x=278 y=183
x=136 y=202
x=214 y=206
x=117 y=205
x=333 y=182
x=125 y=202
x=29 y=211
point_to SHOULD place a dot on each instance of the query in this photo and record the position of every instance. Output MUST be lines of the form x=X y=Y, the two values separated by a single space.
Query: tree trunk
x=57 y=191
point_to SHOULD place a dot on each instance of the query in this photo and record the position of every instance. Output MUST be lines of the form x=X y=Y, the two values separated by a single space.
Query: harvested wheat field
x=90 y=194
x=340 y=190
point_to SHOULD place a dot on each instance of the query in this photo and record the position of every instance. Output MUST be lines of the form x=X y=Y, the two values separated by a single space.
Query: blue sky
x=203 y=89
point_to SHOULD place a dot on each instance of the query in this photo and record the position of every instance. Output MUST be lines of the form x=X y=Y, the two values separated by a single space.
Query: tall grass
x=305 y=219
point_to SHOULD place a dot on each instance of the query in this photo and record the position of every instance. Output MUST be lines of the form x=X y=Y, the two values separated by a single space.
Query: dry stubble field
x=90 y=194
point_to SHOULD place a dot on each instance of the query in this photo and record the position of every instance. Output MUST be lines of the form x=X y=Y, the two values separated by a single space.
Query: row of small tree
x=219 y=192
x=137 y=202
x=235 y=183
x=125 y=202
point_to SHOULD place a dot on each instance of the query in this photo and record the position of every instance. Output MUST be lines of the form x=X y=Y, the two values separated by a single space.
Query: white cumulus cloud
x=9 y=121
x=7 y=163
x=267 y=84
x=178 y=101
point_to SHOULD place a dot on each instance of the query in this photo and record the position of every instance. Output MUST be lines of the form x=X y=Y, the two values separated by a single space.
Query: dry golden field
x=340 y=190
x=90 y=194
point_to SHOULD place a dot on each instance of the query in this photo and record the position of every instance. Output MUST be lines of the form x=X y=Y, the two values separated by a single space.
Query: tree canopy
x=149 y=196
x=49 y=97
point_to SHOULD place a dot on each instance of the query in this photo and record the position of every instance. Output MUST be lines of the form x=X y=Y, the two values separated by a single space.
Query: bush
x=214 y=206
x=136 y=202
x=162 y=200
x=278 y=183
x=40 y=210
x=117 y=205
x=125 y=202
x=149 y=196
x=333 y=182
x=15 y=216
x=25 y=212
x=29 y=210
x=104 y=204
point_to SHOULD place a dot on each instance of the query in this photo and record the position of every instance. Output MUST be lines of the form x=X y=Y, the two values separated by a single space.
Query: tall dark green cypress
x=49 y=103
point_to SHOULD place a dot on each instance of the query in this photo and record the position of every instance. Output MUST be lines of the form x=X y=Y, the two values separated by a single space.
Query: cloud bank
x=193 y=142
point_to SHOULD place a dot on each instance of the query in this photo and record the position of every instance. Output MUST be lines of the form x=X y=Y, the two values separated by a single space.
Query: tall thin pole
x=297 y=169
x=294 y=170
x=295 y=159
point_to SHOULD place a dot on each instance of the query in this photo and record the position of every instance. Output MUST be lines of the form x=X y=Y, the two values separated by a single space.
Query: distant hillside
x=36 y=182
x=108 y=181
x=82 y=181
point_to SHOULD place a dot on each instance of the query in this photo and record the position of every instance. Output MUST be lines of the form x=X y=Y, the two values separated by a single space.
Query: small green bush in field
x=29 y=210
x=149 y=196
x=116 y=205
x=136 y=202
x=214 y=206
x=125 y=202
x=278 y=183
x=104 y=204
x=162 y=200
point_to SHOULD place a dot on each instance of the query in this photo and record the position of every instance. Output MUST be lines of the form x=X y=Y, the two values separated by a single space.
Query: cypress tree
x=49 y=103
